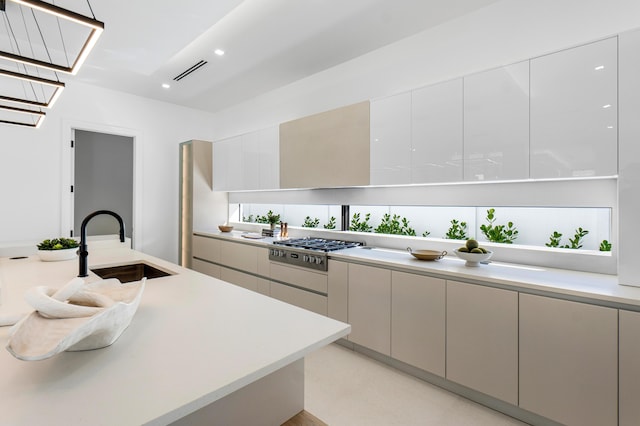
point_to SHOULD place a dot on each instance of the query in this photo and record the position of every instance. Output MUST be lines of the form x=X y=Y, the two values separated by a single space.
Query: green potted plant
x=272 y=219
x=57 y=249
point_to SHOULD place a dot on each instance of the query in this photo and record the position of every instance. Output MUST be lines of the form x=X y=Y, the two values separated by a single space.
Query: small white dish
x=57 y=255
x=473 y=259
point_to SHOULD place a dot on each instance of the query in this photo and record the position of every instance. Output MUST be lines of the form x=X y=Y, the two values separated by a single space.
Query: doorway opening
x=102 y=179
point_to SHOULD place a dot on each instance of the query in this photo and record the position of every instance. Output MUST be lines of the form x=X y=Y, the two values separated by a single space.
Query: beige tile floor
x=343 y=387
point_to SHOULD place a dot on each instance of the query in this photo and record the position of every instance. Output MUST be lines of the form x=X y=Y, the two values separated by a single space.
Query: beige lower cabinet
x=264 y=286
x=206 y=268
x=250 y=282
x=304 y=299
x=569 y=361
x=206 y=248
x=629 y=368
x=338 y=289
x=482 y=339
x=370 y=307
x=418 y=318
x=240 y=256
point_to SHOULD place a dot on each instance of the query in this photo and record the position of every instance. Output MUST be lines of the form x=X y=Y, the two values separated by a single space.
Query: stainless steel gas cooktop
x=307 y=252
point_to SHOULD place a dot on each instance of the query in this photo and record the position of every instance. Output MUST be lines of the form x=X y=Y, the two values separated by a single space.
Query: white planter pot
x=57 y=255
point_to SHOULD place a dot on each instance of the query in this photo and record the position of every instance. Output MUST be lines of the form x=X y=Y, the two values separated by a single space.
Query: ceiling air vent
x=189 y=70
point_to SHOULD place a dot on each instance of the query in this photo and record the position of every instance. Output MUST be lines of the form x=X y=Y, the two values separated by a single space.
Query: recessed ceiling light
x=165 y=85
x=219 y=52
x=599 y=67
x=606 y=106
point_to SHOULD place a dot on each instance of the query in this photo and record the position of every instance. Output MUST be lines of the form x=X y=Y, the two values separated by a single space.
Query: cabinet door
x=338 y=289
x=264 y=265
x=251 y=161
x=304 y=299
x=391 y=140
x=629 y=368
x=496 y=124
x=269 y=155
x=569 y=361
x=260 y=159
x=418 y=321
x=482 y=339
x=436 y=133
x=227 y=164
x=574 y=112
x=370 y=307
x=250 y=282
x=206 y=248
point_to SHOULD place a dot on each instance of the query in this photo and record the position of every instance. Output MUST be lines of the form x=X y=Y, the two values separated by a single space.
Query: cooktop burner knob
x=306 y=258
x=318 y=260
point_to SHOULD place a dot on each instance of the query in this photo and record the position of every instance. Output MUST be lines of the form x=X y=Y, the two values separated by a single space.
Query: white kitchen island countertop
x=193 y=341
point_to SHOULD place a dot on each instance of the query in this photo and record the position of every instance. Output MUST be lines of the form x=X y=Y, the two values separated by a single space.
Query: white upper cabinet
x=391 y=140
x=496 y=124
x=227 y=164
x=574 y=112
x=436 y=133
x=261 y=159
x=247 y=162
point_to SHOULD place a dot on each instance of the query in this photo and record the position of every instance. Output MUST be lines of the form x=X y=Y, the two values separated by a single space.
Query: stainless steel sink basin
x=130 y=272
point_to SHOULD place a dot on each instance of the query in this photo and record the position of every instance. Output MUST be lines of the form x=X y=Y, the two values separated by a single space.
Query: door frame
x=68 y=172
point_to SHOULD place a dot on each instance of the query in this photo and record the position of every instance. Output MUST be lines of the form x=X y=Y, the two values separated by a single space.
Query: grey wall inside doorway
x=103 y=167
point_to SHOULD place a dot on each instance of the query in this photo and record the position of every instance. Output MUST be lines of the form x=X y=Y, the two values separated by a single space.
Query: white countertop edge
x=595 y=287
x=220 y=393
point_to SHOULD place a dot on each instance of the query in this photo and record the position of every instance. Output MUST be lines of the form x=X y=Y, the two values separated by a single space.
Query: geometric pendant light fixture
x=96 y=28
x=15 y=114
x=44 y=94
x=44 y=40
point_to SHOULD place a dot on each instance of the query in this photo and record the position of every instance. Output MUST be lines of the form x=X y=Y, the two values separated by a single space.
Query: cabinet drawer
x=206 y=248
x=239 y=256
x=206 y=268
x=303 y=299
x=299 y=277
x=240 y=279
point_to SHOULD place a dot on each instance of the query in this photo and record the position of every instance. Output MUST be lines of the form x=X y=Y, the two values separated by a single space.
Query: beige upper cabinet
x=569 y=361
x=436 y=133
x=329 y=149
x=574 y=98
x=496 y=124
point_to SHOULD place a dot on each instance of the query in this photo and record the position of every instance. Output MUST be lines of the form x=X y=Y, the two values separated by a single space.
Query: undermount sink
x=130 y=272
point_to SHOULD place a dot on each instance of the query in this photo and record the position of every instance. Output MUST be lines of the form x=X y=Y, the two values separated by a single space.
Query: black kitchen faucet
x=82 y=252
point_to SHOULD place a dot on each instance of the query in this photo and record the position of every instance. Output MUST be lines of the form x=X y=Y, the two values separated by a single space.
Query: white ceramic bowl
x=56 y=255
x=474 y=259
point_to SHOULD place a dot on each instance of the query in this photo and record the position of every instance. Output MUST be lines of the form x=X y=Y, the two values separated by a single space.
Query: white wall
x=35 y=166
